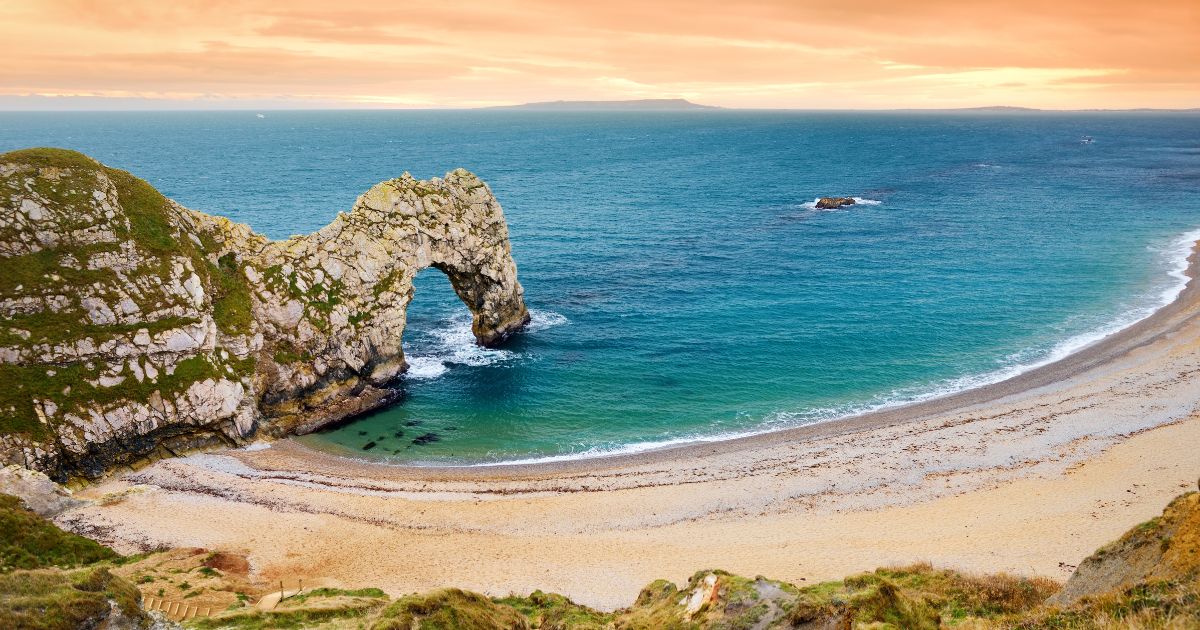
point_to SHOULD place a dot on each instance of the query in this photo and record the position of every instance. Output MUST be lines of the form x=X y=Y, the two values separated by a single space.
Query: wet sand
x=1028 y=476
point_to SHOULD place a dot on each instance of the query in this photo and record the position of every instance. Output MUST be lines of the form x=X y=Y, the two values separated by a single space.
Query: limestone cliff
x=132 y=327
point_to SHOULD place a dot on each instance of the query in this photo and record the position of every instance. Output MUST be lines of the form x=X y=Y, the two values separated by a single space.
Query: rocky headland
x=132 y=328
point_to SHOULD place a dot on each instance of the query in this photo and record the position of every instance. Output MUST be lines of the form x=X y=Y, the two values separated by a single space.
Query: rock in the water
x=833 y=203
x=426 y=438
x=134 y=328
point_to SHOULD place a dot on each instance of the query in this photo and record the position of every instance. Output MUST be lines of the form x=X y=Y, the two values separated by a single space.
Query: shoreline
x=1026 y=476
x=1106 y=348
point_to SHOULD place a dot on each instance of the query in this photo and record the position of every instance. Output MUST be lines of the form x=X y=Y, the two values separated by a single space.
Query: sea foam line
x=1175 y=254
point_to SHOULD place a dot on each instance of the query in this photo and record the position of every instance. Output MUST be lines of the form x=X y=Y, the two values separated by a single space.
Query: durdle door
x=132 y=328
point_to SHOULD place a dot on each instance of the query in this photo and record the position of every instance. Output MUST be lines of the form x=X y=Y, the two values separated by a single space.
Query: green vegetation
x=338 y=592
x=318 y=299
x=920 y=596
x=232 y=308
x=32 y=269
x=27 y=541
x=551 y=611
x=35 y=590
x=56 y=273
x=387 y=283
x=448 y=608
x=148 y=211
x=54 y=327
x=70 y=385
x=41 y=157
x=286 y=353
x=52 y=599
x=333 y=608
x=1157 y=604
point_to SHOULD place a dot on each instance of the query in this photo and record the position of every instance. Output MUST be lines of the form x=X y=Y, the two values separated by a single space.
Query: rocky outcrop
x=133 y=328
x=833 y=203
x=36 y=491
x=1164 y=549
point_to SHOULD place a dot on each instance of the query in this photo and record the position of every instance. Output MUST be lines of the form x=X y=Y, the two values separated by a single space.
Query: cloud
x=773 y=53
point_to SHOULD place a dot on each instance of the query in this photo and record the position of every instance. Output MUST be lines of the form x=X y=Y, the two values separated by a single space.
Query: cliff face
x=131 y=327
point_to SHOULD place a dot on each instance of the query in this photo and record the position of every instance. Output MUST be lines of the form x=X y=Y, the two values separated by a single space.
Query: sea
x=682 y=284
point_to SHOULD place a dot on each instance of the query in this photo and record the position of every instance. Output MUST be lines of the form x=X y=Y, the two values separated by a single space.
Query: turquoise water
x=681 y=288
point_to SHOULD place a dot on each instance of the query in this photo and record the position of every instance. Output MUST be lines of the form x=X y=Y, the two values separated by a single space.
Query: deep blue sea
x=682 y=286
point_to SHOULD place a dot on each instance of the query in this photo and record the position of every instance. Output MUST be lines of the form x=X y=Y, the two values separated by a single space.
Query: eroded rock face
x=134 y=328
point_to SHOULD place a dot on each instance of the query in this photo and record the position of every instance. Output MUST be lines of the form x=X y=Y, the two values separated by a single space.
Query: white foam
x=861 y=201
x=541 y=320
x=425 y=367
x=454 y=343
x=1175 y=255
x=623 y=449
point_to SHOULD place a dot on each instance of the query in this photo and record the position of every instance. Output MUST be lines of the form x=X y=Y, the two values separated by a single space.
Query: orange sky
x=764 y=53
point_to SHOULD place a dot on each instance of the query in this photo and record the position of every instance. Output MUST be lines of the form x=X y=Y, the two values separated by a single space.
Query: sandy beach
x=1028 y=476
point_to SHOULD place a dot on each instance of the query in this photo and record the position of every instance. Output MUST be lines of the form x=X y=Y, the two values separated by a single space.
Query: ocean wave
x=454 y=343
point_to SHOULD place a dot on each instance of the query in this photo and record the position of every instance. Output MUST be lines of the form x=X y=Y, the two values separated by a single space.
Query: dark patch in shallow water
x=368 y=446
x=426 y=438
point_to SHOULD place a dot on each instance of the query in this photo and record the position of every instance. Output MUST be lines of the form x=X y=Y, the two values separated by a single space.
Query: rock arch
x=371 y=256
x=132 y=327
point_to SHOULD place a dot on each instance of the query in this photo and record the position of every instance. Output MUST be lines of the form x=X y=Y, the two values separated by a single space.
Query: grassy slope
x=40 y=588
x=30 y=542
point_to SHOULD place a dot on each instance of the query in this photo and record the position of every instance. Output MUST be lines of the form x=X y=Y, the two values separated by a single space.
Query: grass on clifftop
x=50 y=157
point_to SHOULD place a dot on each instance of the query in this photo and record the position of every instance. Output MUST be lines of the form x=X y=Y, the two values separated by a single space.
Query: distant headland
x=645 y=104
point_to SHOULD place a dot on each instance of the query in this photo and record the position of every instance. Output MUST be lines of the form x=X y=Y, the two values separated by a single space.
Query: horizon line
x=1015 y=109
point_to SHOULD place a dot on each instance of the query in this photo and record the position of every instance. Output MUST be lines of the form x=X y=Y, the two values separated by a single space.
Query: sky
x=836 y=54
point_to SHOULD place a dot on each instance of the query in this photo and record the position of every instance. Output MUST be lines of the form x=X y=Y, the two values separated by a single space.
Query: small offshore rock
x=833 y=203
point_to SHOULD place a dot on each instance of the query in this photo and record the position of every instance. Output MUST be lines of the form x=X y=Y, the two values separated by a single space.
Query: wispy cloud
x=761 y=53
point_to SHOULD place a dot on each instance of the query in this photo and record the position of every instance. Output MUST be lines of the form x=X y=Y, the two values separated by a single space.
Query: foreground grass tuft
x=27 y=541
x=53 y=599
x=449 y=608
